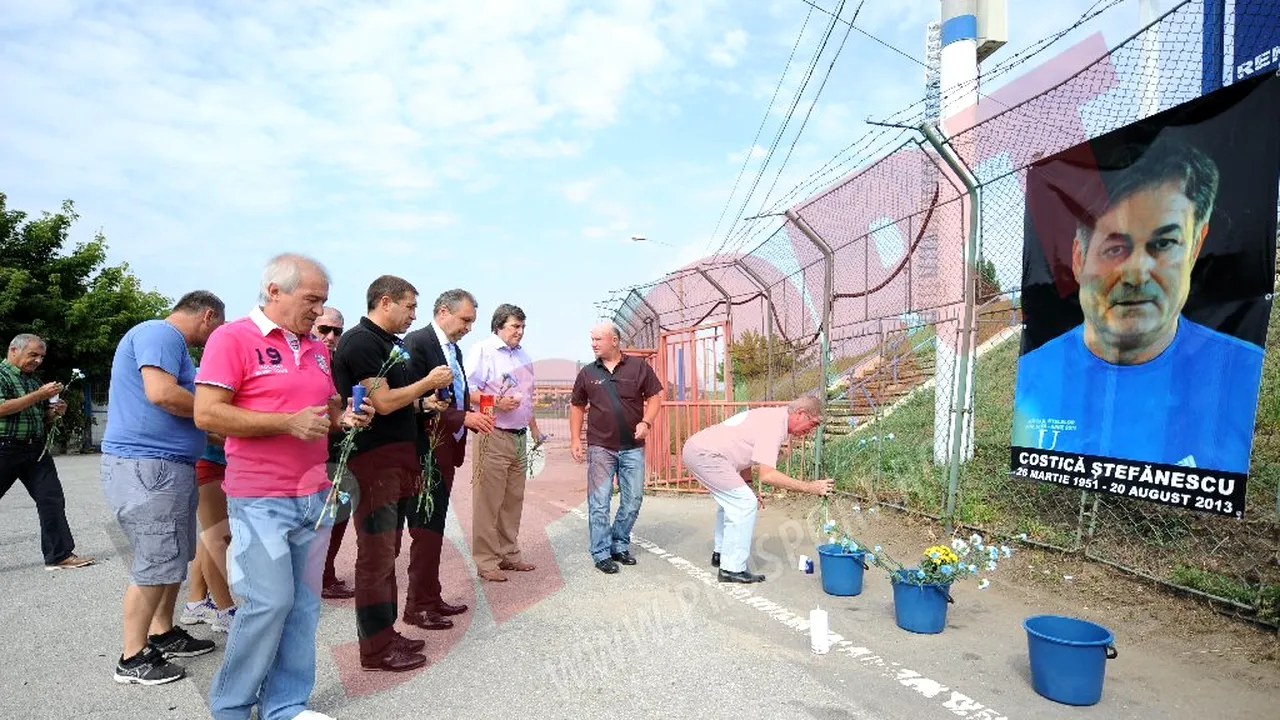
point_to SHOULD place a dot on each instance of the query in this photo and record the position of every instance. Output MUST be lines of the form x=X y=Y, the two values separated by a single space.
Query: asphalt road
x=660 y=639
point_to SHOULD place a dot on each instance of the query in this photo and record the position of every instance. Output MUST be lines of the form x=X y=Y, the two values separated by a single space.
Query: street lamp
x=679 y=278
x=641 y=238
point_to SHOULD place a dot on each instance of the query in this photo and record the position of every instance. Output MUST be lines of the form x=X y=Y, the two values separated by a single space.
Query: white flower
x=984 y=584
x=959 y=545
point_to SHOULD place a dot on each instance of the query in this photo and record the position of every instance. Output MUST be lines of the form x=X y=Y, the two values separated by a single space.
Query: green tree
x=752 y=354
x=69 y=297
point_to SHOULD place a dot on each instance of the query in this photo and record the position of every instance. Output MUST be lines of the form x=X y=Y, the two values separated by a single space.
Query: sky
x=512 y=148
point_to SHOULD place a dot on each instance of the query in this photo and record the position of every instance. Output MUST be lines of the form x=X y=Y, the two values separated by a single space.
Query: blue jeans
x=602 y=465
x=276 y=560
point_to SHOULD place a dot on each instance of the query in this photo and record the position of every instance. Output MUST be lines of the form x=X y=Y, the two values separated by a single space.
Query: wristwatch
x=646 y=422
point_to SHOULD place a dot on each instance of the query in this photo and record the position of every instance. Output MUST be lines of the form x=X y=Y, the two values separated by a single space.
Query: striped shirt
x=27 y=424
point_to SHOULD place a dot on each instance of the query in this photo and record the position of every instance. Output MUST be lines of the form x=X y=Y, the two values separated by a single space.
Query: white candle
x=818 y=640
x=803 y=558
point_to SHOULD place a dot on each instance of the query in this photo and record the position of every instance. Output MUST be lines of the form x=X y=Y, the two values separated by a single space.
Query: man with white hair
x=721 y=458
x=266 y=386
x=26 y=411
x=625 y=396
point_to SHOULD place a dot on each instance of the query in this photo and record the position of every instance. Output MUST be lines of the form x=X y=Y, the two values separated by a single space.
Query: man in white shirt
x=499 y=366
x=721 y=457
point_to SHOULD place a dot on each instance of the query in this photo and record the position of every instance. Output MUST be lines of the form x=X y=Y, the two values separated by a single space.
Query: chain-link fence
x=896 y=295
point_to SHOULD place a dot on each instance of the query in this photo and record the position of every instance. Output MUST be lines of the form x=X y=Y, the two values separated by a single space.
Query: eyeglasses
x=326 y=329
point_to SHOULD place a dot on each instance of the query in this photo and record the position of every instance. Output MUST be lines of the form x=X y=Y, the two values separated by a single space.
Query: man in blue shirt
x=1137 y=380
x=149 y=453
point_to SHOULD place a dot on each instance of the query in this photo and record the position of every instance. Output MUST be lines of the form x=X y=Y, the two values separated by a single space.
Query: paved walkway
x=660 y=639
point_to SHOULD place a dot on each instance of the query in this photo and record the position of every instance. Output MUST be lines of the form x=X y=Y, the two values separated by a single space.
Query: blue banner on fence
x=1256 y=46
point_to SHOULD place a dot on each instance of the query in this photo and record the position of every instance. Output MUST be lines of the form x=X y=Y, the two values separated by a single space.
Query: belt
x=517 y=431
x=20 y=442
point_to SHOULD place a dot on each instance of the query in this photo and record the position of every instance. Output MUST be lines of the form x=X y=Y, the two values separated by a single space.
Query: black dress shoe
x=607 y=566
x=428 y=620
x=445 y=608
x=408 y=645
x=394 y=660
x=715 y=559
x=624 y=558
x=739 y=577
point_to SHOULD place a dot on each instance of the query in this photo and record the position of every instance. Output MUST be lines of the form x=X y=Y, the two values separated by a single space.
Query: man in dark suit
x=442 y=444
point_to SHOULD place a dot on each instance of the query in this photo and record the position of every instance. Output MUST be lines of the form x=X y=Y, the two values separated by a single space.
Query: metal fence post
x=828 y=289
x=961 y=400
x=769 y=314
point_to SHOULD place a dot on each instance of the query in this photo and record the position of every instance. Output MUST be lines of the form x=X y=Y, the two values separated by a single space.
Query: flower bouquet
x=336 y=495
x=55 y=428
x=427 y=475
x=843 y=558
x=921 y=593
x=534 y=458
x=488 y=404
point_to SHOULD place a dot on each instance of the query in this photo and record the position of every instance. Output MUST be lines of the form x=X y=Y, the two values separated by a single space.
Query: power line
x=778 y=137
x=747 y=160
x=864 y=32
x=812 y=104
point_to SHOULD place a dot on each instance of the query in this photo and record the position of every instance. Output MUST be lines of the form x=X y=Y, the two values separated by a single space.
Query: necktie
x=459 y=382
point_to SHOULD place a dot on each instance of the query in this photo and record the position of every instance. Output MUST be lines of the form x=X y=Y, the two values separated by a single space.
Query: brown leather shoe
x=337 y=590
x=428 y=620
x=394 y=660
x=517 y=566
x=493 y=575
x=445 y=608
x=71 y=562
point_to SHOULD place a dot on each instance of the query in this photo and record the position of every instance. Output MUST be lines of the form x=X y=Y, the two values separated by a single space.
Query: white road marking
x=955 y=702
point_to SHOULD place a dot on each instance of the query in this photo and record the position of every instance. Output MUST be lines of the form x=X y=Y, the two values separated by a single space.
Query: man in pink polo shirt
x=266 y=386
x=721 y=457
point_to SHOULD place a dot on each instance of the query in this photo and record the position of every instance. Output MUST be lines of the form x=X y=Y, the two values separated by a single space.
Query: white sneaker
x=202 y=612
x=312 y=715
x=221 y=621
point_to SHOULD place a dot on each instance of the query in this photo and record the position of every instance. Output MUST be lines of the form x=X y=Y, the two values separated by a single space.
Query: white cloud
x=578 y=191
x=413 y=221
x=239 y=108
x=730 y=49
x=755 y=153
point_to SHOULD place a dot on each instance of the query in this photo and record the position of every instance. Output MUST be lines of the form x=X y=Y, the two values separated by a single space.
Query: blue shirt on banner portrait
x=1192 y=405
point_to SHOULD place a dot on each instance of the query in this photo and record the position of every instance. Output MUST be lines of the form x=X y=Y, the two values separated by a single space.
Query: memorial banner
x=1148 y=271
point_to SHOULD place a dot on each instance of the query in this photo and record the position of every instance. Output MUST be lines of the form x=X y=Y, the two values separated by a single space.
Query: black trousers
x=427 y=533
x=18 y=462
x=386 y=476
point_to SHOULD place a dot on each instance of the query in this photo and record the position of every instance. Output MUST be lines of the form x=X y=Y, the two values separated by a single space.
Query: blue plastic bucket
x=920 y=608
x=1068 y=658
x=841 y=571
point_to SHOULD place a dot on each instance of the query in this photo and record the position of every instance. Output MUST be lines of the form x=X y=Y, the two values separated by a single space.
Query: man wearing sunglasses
x=328 y=329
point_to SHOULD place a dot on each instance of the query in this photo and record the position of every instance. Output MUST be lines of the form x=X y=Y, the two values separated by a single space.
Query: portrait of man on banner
x=1149 y=264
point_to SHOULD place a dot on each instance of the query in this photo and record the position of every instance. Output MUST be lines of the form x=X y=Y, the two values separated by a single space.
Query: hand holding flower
x=439 y=377
x=432 y=403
